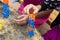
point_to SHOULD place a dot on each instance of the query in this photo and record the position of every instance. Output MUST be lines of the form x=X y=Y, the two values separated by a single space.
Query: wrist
x=39 y=7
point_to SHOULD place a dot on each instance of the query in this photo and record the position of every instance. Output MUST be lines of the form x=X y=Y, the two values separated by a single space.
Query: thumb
x=25 y=9
x=36 y=11
x=28 y=9
x=30 y=6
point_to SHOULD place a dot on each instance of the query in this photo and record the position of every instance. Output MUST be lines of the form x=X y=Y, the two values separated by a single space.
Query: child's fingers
x=16 y=20
x=25 y=9
x=30 y=6
x=22 y=22
x=21 y=18
x=36 y=9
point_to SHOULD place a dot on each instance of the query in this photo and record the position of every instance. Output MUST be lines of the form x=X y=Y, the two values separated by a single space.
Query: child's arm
x=22 y=19
x=43 y=13
x=40 y=14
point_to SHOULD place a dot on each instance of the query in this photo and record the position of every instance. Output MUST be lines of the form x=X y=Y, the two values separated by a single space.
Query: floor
x=13 y=31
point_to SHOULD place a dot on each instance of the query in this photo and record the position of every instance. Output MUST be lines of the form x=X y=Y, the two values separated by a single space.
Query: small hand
x=21 y=19
x=36 y=8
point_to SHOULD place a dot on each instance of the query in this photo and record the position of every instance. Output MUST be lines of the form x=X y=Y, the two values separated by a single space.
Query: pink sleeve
x=40 y=21
x=20 y=9
x=47 y=36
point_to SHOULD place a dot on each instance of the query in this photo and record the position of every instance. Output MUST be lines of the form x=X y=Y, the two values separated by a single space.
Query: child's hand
x=21 y=19
x=36 y=8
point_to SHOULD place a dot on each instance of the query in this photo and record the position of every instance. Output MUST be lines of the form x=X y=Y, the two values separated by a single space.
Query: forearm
x=43 y=13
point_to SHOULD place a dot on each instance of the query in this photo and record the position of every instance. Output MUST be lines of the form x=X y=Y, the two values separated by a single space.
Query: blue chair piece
x=5 y=6
x=28 y=21
x=31 y=23
x=5 y=13
x=31 y=33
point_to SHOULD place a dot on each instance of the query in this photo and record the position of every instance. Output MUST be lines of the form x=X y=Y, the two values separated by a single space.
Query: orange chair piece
x=6 y=1
x=32 y=16
x=29 y=28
